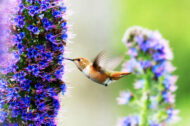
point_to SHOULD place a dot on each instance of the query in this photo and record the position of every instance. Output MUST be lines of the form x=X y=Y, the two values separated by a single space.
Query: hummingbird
x=96 y=72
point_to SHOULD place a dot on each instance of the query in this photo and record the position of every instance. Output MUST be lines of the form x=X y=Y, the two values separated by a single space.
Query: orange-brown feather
x=98 y=76
x=82 y=63
x=118 y=75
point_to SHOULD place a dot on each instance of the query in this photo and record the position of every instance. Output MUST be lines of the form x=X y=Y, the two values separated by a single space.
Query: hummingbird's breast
x=97 y=76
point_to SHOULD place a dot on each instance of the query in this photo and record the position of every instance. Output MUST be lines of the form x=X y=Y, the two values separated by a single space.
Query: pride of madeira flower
x=29 y=87
x=150 y=58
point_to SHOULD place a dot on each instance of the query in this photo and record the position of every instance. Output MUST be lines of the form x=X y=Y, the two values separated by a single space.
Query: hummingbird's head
x=81 y=62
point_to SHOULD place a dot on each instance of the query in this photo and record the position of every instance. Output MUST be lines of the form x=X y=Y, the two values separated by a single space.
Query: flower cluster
x=150 y=58
x=30 y=86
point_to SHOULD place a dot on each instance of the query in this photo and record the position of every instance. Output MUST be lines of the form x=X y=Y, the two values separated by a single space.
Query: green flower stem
x=145 y=103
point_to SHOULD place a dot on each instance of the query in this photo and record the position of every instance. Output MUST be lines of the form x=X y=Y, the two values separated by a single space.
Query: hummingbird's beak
x=69 y=59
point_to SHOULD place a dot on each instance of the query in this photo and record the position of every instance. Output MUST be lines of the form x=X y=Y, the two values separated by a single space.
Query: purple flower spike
x=33 y=73
x=151 y=62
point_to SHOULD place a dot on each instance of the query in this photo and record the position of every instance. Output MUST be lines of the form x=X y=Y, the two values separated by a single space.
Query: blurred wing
x=102 y=61
x=99 y=61
x=113 y=63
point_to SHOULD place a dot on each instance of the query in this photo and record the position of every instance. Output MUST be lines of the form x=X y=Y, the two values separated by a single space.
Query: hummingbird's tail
x=118 y=75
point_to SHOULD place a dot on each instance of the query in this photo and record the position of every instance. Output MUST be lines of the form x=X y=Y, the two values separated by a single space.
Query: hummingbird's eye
x=79 y=60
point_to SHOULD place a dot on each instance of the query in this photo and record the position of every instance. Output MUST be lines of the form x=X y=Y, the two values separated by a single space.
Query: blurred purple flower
x=6 y=56
x=139 y=84
x=150 y=61
x=172 y=115
x=129 y=121
x=124 y=98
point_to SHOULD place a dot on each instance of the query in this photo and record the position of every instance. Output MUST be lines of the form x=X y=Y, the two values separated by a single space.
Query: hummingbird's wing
x=112 y=63
x=102 y=62
x=98 y=61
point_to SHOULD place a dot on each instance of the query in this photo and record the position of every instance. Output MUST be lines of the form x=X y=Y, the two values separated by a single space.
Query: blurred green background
x=100 y=25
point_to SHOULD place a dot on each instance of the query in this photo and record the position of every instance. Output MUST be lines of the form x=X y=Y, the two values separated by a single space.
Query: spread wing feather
x=103 y=62
x=98 y=61
x=112 y=63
